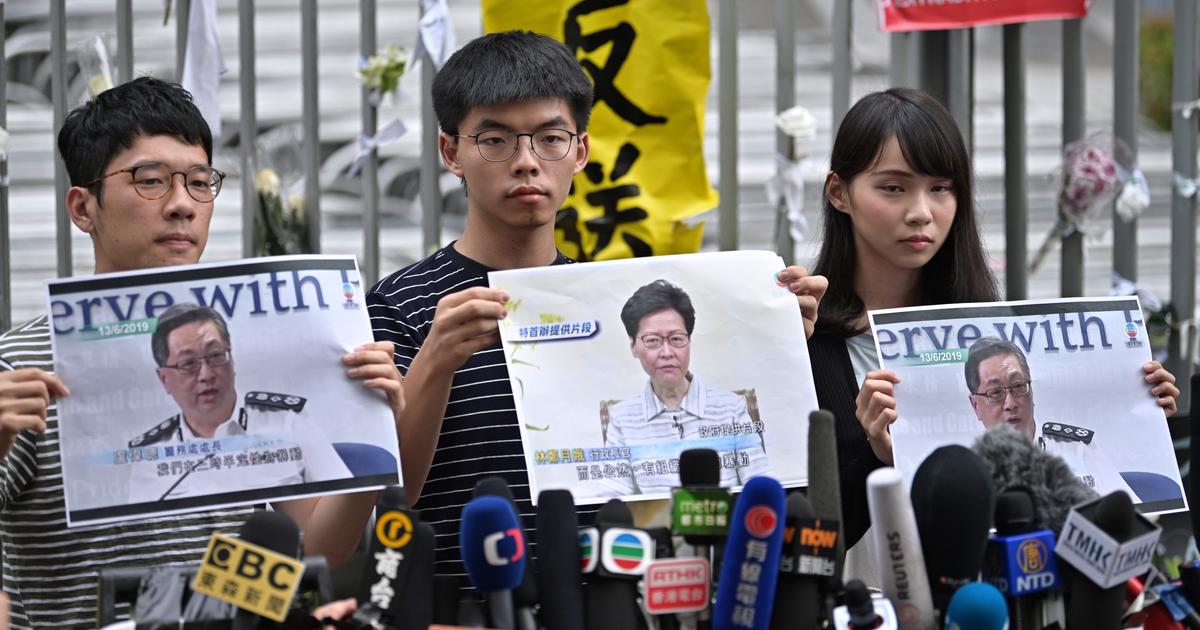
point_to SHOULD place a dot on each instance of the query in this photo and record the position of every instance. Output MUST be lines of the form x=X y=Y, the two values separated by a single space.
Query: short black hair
x=986 y=348
x=178 y=315
x=510 y=67
x=95 y=132
x=657 y=296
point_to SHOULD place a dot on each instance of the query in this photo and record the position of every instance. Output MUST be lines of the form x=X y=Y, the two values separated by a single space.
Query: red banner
x=928 y=15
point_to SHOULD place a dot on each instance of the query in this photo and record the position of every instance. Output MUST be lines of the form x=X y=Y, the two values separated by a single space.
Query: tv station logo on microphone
x=809 y=547
x=761 y=521
x=589 y=549
x=504 y=548
x=676 y=586
x=625 y=551
x=248 y=576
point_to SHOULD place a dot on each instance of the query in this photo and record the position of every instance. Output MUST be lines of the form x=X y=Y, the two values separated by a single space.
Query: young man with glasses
x=676 y=411
x=123 y=151
x=194 y=353
x=1001 y=392
x=513 y=110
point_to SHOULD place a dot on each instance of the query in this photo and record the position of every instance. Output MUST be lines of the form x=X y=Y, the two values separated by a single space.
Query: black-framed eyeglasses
x=499 y=146
x=153 y=180
x=654 y=342
x=998 y=394
x=192 y=365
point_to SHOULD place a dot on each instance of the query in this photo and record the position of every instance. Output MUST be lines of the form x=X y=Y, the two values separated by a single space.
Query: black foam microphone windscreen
x=559 y=581
x=824 y=478
x=273 y=530
x=699 y=467
x=953 y=501
x=1013 y=460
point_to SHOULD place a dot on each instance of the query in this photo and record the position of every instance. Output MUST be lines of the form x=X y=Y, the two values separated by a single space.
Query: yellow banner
x=648 y=61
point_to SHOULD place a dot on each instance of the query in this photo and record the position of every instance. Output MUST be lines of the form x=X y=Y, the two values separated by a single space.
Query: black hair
x=95 y=132
x=510 y=67
x=654 y=297
x=932 y=145
x=987 y=348
x=178 y=315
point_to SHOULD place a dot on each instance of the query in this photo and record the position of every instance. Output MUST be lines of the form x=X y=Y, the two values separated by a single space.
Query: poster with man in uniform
x=215 y=385
x=1068 y=374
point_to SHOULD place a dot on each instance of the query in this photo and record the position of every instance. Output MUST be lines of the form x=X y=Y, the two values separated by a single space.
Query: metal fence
x=940 y=62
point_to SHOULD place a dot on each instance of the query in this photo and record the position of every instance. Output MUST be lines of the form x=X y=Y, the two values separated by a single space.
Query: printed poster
x=1067 y=373
x=617 y=367
x=215 y=385
x=645 y=179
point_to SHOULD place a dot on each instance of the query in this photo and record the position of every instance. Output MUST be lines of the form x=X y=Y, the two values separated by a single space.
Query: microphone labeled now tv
x=493 y=552
x=750 y=566
x=808 y=558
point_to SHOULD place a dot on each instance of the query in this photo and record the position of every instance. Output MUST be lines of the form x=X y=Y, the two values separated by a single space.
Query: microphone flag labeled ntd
x=253 y=578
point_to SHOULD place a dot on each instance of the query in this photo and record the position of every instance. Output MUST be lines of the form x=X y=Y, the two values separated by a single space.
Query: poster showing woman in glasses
x=619 y=366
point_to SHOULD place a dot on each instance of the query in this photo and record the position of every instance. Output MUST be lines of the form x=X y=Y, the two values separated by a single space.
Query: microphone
x=525 y=595
x=700 y=509
x=953 y=500
x=750 y=567
x=1015 y=461
x=824 y=481
x=808 y=558
x=862 y=611
x=611 y=598
x=398 y=571
x=493 y=552
x=1108 y=543
x=558 y=575
x=977 y=606
x=898 y=550
x=274 y=531
x=1020 y=559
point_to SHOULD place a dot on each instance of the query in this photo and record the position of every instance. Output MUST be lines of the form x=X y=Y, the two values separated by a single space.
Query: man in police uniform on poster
x=215 y=445
x=1001 y=386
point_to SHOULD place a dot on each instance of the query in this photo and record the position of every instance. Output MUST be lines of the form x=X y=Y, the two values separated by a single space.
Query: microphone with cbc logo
x=251 y=572
x=493 y=552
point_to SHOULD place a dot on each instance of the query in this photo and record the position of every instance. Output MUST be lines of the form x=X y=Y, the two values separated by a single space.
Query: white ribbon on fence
x=435 y=32
x=203 y=63
x=389 y=134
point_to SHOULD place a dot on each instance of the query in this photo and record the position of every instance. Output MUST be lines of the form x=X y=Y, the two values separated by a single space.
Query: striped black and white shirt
x=480 y=435
x=50 y=572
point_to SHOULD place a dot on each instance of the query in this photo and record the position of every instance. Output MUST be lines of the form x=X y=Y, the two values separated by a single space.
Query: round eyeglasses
x=500 y=146
x=676 y=340
x=192 y=365
x=153 y=180
x=997 y=395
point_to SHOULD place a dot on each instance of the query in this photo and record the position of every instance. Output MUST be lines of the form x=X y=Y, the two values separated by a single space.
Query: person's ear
x=80 y=210
x=974 y=405
x=449 y=148
x=582 y=151
x=838 y=192
x=162 y=376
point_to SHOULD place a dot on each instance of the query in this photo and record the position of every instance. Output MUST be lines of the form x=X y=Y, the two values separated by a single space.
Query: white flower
x=267 y=181
x=798 y=123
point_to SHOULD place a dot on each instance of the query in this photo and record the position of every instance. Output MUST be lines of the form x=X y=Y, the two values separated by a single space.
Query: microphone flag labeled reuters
x=253 y=578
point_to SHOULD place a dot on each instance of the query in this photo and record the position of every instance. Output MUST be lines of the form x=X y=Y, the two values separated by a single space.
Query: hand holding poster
x=1066 y=373
x=619 y=366
x=215 y=385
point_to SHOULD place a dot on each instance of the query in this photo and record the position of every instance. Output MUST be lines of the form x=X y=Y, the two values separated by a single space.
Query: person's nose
x=178 y=204
x=525 y=160
x=919 y=212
